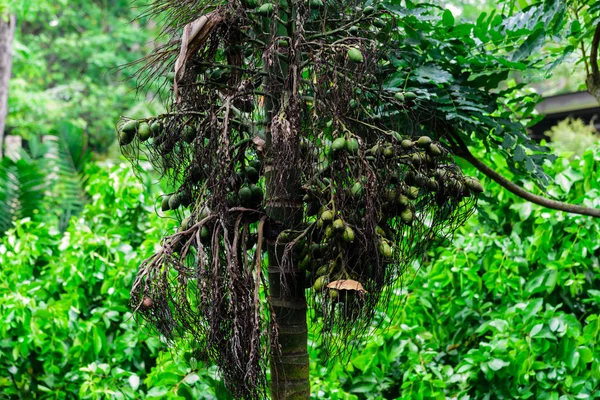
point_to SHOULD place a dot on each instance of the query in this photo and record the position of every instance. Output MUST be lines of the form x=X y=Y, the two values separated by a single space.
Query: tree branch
x=594 y=54
x=463 y=152
x=593 y=80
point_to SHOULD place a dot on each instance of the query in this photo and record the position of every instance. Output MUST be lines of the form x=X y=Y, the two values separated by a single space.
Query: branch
x=463 y=152
x=593 y=80
x=594 y=54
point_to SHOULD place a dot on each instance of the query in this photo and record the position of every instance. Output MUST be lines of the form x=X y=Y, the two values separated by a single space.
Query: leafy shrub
x=65 y=320
x=510 y=308
x=573 y=136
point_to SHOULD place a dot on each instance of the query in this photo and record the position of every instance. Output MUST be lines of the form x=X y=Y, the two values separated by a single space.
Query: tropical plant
x=45 y=181
x=321 y=133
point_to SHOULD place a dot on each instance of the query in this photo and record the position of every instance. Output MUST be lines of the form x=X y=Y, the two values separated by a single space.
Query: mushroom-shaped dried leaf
x=346 y=284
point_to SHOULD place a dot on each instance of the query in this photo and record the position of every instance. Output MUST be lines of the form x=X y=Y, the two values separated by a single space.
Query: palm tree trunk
x=289 y=355
x=7 y=33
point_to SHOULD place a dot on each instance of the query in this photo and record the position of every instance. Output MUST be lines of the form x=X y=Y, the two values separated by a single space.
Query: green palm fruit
x=388 y=152
x=403 y=201
x=407 y=216
x=329 y=232
x=327 y=216
x=384 y=249
x=156 y=128
x=420 y=180
x=266 y=9
x=257 y=194
x=412 y=192
x=144 y=132
x=126 y=137
x=174 y=202
x=245 y=195
x=432 y=185
x=348 y=235
x=338 y=225
x=406 y=144
x=323 y=270
x=338 y=144
x=352 y=146
x=434 y=150
x=368 y=10
x=164 y=205
x=204 y=233
x=355 y=55
x=130 y=126
x=424 y=142
x=321 y=282
x=256 y=164
x=473 y=184
x=252 y=174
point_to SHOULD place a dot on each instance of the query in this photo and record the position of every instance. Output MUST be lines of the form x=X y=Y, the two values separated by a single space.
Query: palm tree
x=312 y=143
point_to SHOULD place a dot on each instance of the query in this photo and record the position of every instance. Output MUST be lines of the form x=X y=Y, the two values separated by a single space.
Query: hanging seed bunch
x=260 y=119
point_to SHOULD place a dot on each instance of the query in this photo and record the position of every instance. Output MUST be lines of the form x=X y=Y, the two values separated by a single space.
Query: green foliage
x=64 y=305
x=66 y=325
x=458 y=66
x=66 y=63
x=510 y=309
x=573 y=136
x=46 y=181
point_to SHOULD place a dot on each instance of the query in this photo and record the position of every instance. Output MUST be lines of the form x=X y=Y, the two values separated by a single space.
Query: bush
x=573 y=136
x=509 y=309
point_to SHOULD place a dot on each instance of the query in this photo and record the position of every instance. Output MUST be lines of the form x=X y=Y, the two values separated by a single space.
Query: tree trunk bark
x=289 y=355
x=289 y=362
x=7 y=33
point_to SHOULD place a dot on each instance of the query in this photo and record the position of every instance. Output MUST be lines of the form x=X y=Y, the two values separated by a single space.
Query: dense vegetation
x=510 y=308
x=67 y=67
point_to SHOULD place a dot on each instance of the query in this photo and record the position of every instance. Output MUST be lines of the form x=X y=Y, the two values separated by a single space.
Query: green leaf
x=536 y=329
x=432 y=74
x=533 y=43
x=519 y=154
x=448 y=18
x=572 y=359
x=496 y=364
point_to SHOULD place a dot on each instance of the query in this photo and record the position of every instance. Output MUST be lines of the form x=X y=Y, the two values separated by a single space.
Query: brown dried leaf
x=346 y=284
x=194 y=36
x=259 y=143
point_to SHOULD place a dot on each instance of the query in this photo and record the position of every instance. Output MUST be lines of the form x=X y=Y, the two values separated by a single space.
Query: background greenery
x=67 y=66
x=509 y=309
